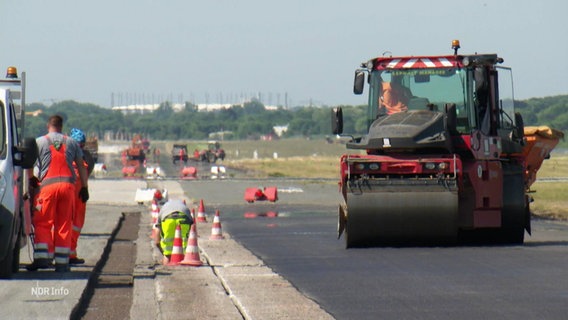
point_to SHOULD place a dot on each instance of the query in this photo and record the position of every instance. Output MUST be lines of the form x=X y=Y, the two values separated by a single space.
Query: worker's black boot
x=62 y=267
x=39 y=264
x=76 y=260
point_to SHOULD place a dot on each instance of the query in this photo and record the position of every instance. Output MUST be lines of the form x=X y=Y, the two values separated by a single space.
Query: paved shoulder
x=256 y=290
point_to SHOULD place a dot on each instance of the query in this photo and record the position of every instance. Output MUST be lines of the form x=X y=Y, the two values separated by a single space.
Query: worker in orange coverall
x=55 y=203
x=80 y=206
x=395 y=96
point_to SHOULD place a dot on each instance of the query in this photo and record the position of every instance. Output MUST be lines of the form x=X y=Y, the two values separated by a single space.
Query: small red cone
x=192 y=251
x=201 y=212
x=177 y=250
x=216 y=230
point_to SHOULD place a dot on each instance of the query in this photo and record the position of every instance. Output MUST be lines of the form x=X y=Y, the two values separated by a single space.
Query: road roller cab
x=444 y=157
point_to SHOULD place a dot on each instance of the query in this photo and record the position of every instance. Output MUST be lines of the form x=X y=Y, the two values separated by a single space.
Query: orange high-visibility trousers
x=78 y=223
x=78 y=214
x=55 y=203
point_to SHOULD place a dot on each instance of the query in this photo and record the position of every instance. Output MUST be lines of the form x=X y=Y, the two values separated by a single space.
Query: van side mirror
x=359 y=82
x=337 y=120
x=26 y=154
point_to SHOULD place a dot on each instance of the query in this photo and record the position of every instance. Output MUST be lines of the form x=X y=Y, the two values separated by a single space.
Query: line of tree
x=551 y=111
x=248 y=121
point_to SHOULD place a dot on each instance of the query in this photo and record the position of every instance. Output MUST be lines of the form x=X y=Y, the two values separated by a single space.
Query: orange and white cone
x=155 y=213
x=192 y=251
x=177 y=250
x=216 y=230
x=201 y=212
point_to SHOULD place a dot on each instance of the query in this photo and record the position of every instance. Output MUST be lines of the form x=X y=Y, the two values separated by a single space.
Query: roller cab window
x=432 y=89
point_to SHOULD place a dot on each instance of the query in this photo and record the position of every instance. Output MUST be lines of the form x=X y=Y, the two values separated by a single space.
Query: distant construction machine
x=134 y=158
x=213 y=152
x=92 y=145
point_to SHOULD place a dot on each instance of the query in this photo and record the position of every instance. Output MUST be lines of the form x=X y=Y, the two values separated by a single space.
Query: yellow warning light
x=455 y=46
x=12 y=73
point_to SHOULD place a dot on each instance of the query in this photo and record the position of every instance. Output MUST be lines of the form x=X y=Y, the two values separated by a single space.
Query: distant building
x=213 y=106
x=221 y=135
x=145 y=108
x=34 y=113
x=205 y=107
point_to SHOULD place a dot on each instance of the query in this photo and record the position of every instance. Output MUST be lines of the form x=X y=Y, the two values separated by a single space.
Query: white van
x=16 y=154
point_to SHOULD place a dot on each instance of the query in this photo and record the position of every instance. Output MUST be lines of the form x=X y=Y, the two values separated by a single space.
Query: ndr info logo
x=49 y=291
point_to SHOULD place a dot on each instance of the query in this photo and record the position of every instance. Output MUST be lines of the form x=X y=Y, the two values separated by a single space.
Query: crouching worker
x=172 y=214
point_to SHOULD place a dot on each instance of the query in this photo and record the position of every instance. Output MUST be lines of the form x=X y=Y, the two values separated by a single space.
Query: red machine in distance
x=133 y=158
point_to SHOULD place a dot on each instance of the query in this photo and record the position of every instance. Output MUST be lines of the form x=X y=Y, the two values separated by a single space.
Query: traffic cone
x=216 y=230
x=201 y=212
x=177 y=250
x=192 y=251
x=155 y=213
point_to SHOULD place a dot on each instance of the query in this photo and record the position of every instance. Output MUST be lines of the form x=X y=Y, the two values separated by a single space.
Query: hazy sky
x=147 y=50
